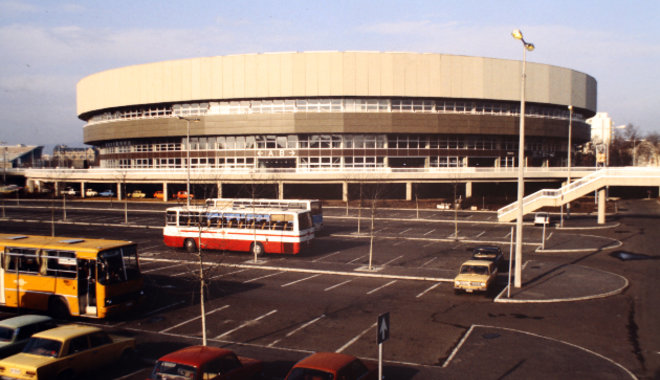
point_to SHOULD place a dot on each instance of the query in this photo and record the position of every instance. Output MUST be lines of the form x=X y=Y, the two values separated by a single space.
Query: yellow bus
x=92 y=278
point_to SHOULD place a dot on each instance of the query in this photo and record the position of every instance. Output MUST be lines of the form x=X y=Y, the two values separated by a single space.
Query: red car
x=204 y=362
x=182 y=195
x=332 y=366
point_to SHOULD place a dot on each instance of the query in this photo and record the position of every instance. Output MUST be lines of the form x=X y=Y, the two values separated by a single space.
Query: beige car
x=137 y=194
x=66 y=352
x=475 y=276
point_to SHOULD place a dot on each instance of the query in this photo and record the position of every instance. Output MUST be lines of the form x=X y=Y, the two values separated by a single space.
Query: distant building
x=20 y=156
x=77 y=158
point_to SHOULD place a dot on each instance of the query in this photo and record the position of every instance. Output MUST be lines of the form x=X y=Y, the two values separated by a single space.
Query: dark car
x=490 y=253
x=15 y=332
x=205 y=362
x=332 y=366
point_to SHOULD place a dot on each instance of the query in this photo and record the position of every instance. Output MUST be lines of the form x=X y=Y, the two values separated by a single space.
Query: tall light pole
x=570 y=143
x=188 y=120
x=517 y=34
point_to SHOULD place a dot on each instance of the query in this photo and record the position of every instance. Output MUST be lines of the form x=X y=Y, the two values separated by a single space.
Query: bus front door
x=87 y=286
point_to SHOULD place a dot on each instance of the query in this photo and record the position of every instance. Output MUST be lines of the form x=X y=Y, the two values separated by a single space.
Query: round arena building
x=309 y=112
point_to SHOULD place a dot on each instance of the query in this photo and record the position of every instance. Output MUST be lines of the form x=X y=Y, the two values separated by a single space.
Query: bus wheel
x=190 y=246
x=58 y=309
x=257 y=249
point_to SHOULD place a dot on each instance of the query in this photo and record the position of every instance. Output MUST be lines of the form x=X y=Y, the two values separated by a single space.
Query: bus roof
x=237 y=211
x=60 y=242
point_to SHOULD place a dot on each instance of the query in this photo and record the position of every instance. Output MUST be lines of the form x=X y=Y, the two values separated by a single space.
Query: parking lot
x=282 y=308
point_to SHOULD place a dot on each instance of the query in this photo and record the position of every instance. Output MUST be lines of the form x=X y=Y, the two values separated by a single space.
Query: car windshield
x=173 y=371
x=474 y=269
x=6 y=334
x=309 y=374
x=43 y=347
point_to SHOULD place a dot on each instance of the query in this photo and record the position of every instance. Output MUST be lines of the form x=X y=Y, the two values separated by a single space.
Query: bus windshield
x=118 y=265
x=305 y=221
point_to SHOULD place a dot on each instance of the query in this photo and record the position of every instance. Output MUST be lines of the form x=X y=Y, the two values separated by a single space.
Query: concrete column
x=119 y=194
x=82 y=189
x=56 y=188
x=601 y=205
x=219 y=187
x=468 y=189
x=344 y=191
x=408 y=191
x=165 y=196
x=280 y=190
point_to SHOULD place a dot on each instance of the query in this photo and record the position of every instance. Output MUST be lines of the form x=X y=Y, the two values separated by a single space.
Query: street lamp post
x=188 y=120
x=570 y=141
x=517 y=34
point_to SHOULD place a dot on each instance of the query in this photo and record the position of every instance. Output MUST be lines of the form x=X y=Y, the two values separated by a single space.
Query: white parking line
x=298 y=329
x=550 y=235
x=301 y=280
x=429 y=262
x=162 y=268
x=393 y=260
x=356 y=259
x=262 y=277
x=428 y=289
x=326 y=256
x=248 y=323
x=480 y=234
x=350 y=342
x=381 y=287
x=404 y=231
x=429 y=232
x=228 y=274
x=507 y=235
x=337 y=285
x=193 y=319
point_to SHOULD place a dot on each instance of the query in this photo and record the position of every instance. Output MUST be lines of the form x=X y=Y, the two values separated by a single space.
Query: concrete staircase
x=628 y=176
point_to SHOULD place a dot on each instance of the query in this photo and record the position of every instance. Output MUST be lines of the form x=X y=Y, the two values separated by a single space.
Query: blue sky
x=48 y=46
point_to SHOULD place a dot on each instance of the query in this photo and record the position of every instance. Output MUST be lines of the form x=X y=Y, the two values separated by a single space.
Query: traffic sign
x=383 y=327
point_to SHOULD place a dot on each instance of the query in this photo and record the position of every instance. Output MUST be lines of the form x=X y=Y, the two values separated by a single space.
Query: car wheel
x=257 y=249
x=190 y=246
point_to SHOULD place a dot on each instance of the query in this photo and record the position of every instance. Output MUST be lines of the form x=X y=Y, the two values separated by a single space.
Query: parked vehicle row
x=34 y=347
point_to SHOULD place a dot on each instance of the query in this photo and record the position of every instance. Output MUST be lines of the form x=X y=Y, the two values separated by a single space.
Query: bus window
x=170 y=218
x=27 y=259
x=60 y=264
x=118 y=265
x=304 y=221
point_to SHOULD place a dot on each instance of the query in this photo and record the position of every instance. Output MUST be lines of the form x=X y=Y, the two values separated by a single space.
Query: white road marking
x=301 y=280
x=247 y=323
x=290 y=333
x=393 y=260
x=350 y=342
x=429 y=232
x=262 y=277
x=337 y=285
x=356 y=259
x=429 y=262
x=404 y=231
x=428 y=289
x=162 y=268
x=193 y=319
x=381 y=287
x=227 y=274
x=326 y=256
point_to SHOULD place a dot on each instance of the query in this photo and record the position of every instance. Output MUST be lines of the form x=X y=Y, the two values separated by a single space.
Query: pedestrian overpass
x=596 y=181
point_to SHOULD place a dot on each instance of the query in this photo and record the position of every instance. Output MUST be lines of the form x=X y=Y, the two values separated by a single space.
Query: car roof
x=65 y=332
x=478 y=262
x=24 y=320
x=331 y=361
x=195 y=355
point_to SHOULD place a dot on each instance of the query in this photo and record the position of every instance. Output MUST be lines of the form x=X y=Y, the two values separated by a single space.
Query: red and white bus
x=314 y=206
x=257 y=230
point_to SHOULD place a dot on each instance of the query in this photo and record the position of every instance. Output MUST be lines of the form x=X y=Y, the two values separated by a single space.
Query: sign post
x=383 y=335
